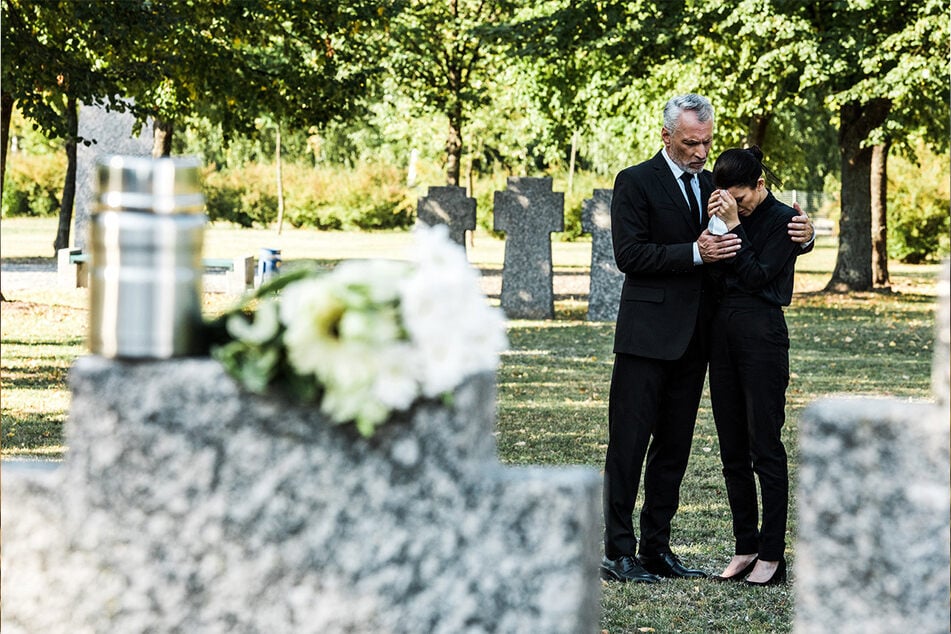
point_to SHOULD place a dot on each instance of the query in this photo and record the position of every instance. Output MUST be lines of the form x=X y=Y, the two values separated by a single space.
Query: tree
x=442 y=54
x=47 y=69
x=877 y=69
x=883 y=64
x=303 y=64
x=586 y=64
x=879 y=189
x=749 y=59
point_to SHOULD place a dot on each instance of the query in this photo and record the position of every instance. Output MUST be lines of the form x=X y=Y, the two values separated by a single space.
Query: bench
x=824 y=226
x=72 y=270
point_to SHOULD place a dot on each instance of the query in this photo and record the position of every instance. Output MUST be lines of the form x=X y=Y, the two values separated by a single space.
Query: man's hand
x=800 y=228
x=715 y=248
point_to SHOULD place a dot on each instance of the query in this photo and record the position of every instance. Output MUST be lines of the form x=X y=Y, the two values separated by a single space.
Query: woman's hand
x=723 y=206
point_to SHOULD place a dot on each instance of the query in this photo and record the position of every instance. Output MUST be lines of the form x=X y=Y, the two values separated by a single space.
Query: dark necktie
x=694 y=205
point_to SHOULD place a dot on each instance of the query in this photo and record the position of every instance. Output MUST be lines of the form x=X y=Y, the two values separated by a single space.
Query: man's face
x=689 y=145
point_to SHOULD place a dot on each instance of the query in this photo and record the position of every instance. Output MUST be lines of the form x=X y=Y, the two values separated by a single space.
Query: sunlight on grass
x=553 y=388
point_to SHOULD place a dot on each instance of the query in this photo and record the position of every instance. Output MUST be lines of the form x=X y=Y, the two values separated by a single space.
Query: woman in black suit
x=749 y=363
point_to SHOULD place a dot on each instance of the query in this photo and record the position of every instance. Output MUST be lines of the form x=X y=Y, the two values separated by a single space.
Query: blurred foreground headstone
x=873 y=548
x=188 y=505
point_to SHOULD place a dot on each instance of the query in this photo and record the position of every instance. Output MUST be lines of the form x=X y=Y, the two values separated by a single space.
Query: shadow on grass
x=33 y=434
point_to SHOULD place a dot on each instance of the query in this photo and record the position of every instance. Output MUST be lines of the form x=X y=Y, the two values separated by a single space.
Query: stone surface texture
x=110 y=133
x=606 y=279
x=528 y=212
x=448 y=205
x=188 y=505
x=873 y=552
x=941 y=370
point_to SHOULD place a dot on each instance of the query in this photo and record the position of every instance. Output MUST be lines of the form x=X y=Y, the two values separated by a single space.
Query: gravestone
x=606 y=279
x=188 y=505
x=111 y=133
x=528 y=212
x=872 y=554
x=448 y=206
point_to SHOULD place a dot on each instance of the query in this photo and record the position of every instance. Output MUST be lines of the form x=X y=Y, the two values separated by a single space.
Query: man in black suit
x=662 y=245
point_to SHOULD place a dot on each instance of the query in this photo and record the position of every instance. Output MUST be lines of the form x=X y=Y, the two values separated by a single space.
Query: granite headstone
x=606 y=279
x=448 y=205
x=528 y=212
x=872 y=554
x=188 y=505
x=110 y=133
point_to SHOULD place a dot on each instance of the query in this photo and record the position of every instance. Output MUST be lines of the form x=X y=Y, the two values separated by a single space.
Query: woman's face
x=748 y=198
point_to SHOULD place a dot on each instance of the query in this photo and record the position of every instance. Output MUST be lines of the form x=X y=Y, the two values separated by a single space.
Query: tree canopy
x=816 y=84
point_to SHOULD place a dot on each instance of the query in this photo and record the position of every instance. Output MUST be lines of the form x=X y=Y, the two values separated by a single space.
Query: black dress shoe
x=624 y=569
x=779 y=576
x=740 y=575
x=668 y=565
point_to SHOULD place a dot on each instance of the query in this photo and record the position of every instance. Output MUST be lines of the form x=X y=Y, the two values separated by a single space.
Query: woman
x=749 y=367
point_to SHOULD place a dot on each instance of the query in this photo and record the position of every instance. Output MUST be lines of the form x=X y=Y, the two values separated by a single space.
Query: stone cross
x=111 y=133
x=186 y=504
x=448 y=206
x=872 y=553
x=528 y=211
x=606 y=279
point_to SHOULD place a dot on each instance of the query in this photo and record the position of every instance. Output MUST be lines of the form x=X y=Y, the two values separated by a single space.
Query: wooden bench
x=72 y=270
x=824 y=226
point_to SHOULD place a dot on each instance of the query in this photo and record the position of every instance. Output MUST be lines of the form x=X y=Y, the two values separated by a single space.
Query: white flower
x=455 y=331
x=265 y=327
x=375 y=335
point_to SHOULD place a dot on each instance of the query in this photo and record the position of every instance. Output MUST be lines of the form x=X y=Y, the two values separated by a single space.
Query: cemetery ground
x=553 y=387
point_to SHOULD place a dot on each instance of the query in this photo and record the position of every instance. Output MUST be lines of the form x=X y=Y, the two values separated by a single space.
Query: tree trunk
x=571 y=160
x=6 y=114
x=280 y=181
x=757 y=132
x=853 y=265
x=162 y=138
x=454 y=146
x=69 y=186
x=879 y=186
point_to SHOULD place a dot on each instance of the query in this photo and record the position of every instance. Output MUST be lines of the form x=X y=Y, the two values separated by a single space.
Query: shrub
x=918 y=209
x=33 y=184
x=365 y=197
x=244 y=196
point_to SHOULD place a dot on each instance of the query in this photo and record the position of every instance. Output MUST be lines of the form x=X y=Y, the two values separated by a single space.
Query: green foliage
x=244 y=196
x=370 y=196
x=918 y=204
x=33 y=184
x=552 y=410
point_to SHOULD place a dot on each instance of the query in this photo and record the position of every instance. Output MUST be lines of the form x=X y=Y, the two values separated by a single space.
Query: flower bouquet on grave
x=369 y=337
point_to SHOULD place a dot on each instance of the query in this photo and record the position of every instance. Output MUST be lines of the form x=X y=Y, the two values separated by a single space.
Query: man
x=662 y=245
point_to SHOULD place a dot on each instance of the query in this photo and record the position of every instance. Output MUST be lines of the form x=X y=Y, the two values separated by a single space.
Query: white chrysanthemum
x=376 y=334
x=396 y=384
x=368 y=282
x=311 y=313
x=265 y=327
x=455 y=331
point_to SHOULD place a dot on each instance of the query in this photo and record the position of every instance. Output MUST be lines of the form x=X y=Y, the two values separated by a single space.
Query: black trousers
x=652 y=413
x=749 y=374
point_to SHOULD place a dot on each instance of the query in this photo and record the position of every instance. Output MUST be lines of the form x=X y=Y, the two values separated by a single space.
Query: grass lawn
x=553 y=388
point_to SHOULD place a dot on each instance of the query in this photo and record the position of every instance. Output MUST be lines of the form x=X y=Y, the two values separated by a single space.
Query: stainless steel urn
x=146 y=231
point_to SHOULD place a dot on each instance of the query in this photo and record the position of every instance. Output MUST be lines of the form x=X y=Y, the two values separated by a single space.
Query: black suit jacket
x=653 y=232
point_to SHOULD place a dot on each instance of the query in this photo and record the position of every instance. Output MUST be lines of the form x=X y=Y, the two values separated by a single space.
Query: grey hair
x=677 y=105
